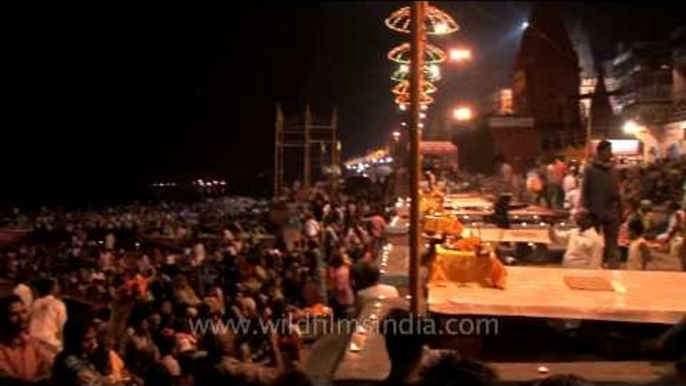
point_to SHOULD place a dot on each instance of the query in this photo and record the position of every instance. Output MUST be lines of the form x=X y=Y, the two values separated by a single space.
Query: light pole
x=419 y=20
x=417 y=53
x=463 y=113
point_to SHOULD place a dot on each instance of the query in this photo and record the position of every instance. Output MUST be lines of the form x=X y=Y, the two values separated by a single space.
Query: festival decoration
x=436 y=22
x=432 y=54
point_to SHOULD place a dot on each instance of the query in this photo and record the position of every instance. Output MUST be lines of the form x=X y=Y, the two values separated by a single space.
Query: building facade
x=546 y=79
x=675 y=129
x=500 y=102
x=588 y=75
x=650 y=91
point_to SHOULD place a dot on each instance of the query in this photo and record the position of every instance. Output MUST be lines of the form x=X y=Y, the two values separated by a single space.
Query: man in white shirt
x=584 y=244
x=48 y=316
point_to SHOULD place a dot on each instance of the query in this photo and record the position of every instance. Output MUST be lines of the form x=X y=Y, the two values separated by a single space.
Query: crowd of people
x=624 y=209
x=111 y=296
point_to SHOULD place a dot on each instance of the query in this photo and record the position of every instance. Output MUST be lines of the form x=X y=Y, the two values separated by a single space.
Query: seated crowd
x=122 y=296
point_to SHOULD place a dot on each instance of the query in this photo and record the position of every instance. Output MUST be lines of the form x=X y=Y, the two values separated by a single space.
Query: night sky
x=107 y=103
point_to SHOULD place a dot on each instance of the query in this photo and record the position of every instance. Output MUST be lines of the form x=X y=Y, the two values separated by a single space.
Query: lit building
x=675 y=129
x=546 y=79
x=611 y=85
x=501 y=102
x=588 y=75
x=644 y=76
x=647 y=92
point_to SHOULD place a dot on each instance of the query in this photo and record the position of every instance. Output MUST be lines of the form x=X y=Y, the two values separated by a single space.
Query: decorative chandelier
x=403 y=72
x=403 y=87
x=432 y=54
x=437 y=22
x=404 y=99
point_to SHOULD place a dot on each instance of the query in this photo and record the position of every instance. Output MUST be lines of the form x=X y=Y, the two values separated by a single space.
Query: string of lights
x=436 y=22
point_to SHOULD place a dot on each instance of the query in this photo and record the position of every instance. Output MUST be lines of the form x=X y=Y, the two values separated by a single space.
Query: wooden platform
x=491 y=234
x=639 y=296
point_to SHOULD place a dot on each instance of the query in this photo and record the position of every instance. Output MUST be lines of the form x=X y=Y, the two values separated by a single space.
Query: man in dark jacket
x=600 y=196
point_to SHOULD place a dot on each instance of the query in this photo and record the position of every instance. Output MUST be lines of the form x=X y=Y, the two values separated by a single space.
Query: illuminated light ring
x=404 y=99
x=432 y=54
x=404 y=88
x=400 y=21
x=399 y=76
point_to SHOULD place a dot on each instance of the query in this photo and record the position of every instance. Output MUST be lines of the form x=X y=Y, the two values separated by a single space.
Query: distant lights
x=164 y=184
x=460 y=55
x=462 y=113
x=209 y=183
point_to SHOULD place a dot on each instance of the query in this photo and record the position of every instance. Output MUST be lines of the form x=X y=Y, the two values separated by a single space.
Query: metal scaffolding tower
x=305 y=134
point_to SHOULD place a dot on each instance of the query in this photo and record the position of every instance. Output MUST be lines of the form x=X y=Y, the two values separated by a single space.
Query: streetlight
x=396 y=136
x=460 y=54
x=462 y=113
x=631 y=127
x=525 y=25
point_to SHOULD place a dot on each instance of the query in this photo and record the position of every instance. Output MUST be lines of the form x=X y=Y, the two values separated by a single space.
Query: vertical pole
x=417 y=56
x=335 y=149
x=278 y=173
x=334 y=134
x=306 y=154
x=589 y=122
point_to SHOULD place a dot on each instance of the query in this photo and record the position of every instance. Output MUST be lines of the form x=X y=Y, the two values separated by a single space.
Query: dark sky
x=126 y=96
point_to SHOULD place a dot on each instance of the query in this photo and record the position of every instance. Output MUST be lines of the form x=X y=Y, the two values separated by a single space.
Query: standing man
x=600 y=196
x=48 y=316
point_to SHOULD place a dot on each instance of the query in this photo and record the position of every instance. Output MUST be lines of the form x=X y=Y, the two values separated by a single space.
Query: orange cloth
x=442 y=224
x=467 y=267
x=432 y=202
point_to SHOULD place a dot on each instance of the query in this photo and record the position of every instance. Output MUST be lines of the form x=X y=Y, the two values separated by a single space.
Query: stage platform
x=638 y=296
x=371 y=363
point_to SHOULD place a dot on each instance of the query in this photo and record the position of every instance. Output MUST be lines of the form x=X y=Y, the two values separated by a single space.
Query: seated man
x=229 y=362
x=370 y=288
x=76 y=364
x=584 y=246
x=23 y=360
